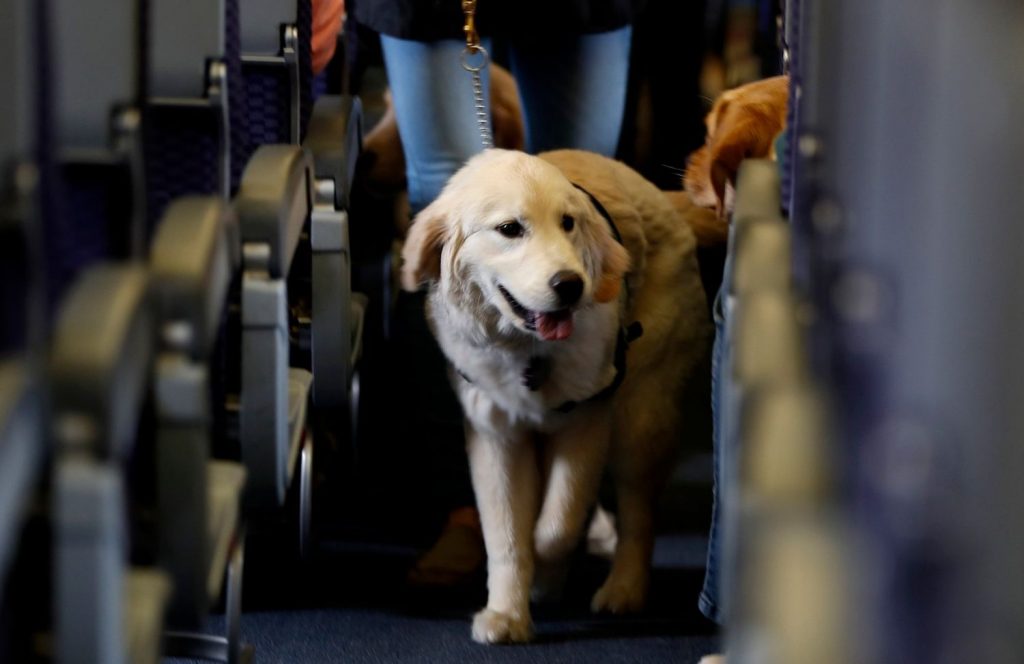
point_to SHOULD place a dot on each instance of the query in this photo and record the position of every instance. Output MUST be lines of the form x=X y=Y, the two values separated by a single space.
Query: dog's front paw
x=619 y=596
x=491 y=626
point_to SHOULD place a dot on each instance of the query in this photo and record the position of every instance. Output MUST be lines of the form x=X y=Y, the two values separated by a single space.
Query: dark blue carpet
x=352 y=605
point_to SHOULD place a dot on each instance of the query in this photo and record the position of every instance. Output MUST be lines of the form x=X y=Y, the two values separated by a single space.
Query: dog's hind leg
x=575 y=457
x=641 y=456
x=506 y=483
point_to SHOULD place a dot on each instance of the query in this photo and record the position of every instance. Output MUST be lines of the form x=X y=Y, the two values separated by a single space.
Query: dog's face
x=743 y=123
x=509 y=229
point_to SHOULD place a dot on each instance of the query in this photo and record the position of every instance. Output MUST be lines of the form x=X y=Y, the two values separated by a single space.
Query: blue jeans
x=712 y=600
x=573 y=94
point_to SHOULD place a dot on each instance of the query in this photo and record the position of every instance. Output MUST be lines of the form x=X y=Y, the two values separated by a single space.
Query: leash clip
x=472 y=37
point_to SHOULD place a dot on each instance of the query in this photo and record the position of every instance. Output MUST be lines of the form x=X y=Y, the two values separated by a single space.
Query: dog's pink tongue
x=555 y=326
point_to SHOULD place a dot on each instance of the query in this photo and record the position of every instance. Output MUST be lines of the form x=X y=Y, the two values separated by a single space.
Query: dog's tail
x=707 y=227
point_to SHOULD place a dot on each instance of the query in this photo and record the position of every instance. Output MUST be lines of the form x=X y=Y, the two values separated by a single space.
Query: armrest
x=763 y=257
x=335 y=139
x=102 y=351
x=758 y=191
x=195 y=253
x=787 y=459
x=769 y=343
x=273 y=203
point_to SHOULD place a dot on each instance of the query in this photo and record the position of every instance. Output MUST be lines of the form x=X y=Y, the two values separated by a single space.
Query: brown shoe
x=457 y=557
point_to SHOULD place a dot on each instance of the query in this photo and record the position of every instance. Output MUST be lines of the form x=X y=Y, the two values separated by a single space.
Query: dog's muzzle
x=550 y=325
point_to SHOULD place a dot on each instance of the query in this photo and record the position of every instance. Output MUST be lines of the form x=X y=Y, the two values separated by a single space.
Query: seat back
x=277 y=66
x=196 y=137
x=97 y=69
x=921 y=261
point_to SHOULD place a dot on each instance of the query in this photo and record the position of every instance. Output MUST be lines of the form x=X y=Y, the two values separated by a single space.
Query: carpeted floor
x=352 y=605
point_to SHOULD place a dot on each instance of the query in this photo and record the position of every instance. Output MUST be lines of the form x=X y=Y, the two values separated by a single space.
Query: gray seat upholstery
x=99 y=367
x=18 y=68
x=93 y=36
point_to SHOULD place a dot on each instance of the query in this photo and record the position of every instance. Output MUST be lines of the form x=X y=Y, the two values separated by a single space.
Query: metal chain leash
x=474 y=52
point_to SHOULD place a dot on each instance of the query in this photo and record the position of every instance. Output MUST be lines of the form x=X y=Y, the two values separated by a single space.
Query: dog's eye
x=512 y=229
x=568 y=223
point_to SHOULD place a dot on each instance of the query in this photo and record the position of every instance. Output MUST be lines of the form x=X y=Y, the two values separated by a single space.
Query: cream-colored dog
x=531 y=294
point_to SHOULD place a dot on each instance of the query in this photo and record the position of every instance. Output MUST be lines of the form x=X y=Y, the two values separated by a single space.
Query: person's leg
x=710 y=600
x=573 y=89
x=434 y=105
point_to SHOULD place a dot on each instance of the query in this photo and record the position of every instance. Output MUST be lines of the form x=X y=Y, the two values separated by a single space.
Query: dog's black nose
x=568 y=286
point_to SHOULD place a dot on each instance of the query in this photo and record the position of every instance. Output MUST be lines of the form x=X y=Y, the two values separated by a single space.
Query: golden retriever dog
x=743 y=123
x=538 y=290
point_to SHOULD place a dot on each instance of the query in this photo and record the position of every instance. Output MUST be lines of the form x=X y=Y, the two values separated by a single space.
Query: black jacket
x=427 y=20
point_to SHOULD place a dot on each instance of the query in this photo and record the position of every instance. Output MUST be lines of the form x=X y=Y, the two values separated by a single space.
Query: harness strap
x=627 y=335
x=603 y=212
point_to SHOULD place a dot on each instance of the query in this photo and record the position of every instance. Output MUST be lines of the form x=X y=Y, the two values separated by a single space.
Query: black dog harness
x=537 y=371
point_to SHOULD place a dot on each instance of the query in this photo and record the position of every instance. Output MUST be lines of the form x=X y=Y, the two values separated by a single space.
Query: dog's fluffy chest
x=490 y=376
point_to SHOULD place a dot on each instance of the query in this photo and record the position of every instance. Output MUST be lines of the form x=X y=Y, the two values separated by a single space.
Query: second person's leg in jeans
x=573 y=89
x=434 y=106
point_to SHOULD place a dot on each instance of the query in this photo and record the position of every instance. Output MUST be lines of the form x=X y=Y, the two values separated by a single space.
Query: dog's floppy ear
x=421 y=255
x=615 y=263
x=726 y=157
x=611 y=260
x=742 y=123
